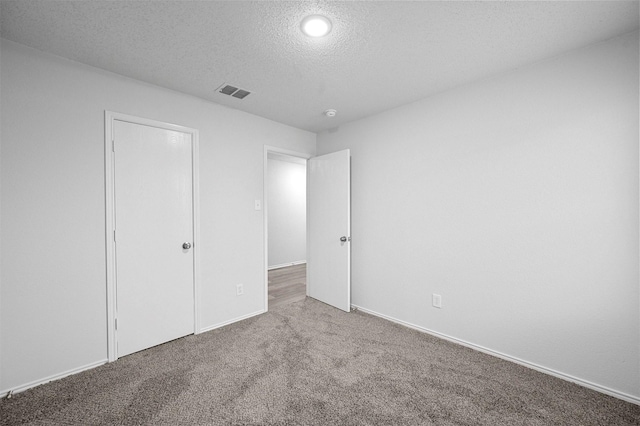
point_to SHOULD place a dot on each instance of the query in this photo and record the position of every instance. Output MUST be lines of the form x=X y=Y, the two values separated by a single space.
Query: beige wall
x=516 y=199
x=53 y=290
x=287 y=210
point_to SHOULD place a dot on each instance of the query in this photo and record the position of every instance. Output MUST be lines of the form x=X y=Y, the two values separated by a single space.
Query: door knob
x=343 y=239
x=186 y=246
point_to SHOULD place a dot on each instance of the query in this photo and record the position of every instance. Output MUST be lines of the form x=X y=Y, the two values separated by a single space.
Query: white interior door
x=153 y=219
x=329 y=229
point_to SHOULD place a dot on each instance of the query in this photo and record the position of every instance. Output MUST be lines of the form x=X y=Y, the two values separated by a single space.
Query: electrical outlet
x=239 y=290
x=436 y=299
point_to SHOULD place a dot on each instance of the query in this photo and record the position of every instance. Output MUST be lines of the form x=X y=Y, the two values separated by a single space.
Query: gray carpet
x=309 y=364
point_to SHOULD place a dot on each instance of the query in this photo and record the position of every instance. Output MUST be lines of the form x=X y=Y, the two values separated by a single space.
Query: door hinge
x=113 y=145
x=116 y=323
x=114 y=235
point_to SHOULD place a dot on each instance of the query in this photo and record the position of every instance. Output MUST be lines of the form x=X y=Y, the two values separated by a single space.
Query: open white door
x=329 y=229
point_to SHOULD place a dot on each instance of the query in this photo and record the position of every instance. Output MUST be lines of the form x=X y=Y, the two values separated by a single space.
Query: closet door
x=154 y=235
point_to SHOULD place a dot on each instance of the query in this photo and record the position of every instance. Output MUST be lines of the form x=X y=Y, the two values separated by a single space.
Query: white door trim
x=109 y=118
x=265 y=209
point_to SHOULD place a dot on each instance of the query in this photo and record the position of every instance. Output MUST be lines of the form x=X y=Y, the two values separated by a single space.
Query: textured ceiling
x=379 y=55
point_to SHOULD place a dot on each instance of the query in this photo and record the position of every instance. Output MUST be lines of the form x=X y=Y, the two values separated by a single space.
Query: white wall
x=287 y=210
x=53 y=289
x=516 y=199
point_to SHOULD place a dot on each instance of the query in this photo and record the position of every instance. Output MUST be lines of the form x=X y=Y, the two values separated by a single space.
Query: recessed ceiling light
x=330 y=113
x=316 y=25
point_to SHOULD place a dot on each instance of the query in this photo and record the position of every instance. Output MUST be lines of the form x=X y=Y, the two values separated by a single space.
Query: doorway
x=285 y=212
x=328 y=227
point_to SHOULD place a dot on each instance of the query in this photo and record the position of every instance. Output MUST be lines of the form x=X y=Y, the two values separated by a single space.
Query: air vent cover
x=227 y=89
x=241 y=94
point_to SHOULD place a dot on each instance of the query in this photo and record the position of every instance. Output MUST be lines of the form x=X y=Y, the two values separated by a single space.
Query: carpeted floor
x=309 y=364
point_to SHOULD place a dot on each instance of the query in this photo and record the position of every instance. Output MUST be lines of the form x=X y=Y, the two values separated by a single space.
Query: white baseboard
x=558 y=374
x=231 y=321
x=58 y=376
x=284 y=265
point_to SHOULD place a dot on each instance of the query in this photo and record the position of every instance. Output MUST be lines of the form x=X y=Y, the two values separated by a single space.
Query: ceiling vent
x=227 y=89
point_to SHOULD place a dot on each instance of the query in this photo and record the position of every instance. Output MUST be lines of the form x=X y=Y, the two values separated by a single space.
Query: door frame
x=109 y=118
x=265 y=211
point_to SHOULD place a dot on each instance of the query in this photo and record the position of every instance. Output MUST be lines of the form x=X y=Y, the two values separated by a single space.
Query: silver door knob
x=186 y=246
x=343 y=239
